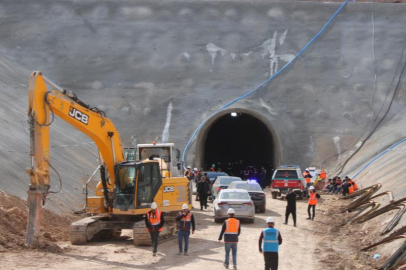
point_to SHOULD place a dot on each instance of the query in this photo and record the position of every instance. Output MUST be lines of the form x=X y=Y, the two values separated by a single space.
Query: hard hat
x=189 y=167
x=311 y=187
x=231 y=211
x=270 y=220
x=154 y=205
x=195 y=169
x=185 y=206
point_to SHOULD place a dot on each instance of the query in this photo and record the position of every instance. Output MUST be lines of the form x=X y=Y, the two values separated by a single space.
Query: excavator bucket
x=34 y=216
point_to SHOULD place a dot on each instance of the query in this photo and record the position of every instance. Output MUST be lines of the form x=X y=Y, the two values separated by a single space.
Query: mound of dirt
x=13 y=226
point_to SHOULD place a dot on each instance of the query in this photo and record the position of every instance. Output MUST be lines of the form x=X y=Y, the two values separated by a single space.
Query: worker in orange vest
x=323 y=174
x=186 y=224
x=353 y=183
x=154 y=221
x=313 y=196
x=231 y=230
x=308 y=181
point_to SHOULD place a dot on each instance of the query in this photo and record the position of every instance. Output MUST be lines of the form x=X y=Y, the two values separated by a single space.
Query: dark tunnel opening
x=237 y=143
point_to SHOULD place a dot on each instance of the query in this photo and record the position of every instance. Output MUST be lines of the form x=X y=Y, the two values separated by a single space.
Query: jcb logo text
x=78 y=115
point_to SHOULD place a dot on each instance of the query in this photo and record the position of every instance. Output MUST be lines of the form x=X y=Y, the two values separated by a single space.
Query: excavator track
x=141 y=235
x=84 y=230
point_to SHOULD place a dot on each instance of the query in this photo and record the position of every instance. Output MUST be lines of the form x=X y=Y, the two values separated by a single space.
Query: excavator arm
x=42 y=108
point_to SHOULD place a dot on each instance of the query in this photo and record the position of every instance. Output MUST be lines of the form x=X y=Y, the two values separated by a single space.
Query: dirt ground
x=318 y=244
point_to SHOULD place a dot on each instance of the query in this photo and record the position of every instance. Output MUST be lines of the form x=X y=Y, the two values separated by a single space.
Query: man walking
x=203 y=189
x=272 y=239
x=231 y=230
x=313 y=196
x=291 y=207
x=154 y=221
x=186 y=221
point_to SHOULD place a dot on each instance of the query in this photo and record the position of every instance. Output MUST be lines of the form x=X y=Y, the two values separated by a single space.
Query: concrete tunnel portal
x=236 y=140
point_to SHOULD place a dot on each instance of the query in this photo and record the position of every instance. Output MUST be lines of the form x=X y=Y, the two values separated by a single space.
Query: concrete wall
x=134 y=59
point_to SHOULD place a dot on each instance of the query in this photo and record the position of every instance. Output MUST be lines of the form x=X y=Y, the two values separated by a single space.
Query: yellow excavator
x=127 y=187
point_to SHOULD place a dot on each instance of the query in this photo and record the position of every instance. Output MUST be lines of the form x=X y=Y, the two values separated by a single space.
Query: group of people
x=338 y=186
x=268 y=243
x=290 y=197
x=202 y=182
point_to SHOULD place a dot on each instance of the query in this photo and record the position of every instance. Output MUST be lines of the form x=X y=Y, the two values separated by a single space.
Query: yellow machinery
x=127 y=187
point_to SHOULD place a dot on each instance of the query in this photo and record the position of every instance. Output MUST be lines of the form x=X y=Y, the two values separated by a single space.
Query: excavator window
x=149 y=182
x=125 y=186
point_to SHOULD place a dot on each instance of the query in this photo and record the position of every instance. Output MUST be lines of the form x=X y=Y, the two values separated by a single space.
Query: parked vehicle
x=255 y=192
x=239 y=200
x=222 y=182
x=213 y=175
x=285 y=177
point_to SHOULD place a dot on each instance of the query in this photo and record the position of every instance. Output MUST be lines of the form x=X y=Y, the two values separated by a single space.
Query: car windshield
x=227 y=181
x=234 y=195
x=246 y=186
x=287 y=174
x=213 y=175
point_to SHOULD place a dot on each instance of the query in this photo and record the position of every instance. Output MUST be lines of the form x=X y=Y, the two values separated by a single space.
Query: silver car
x=222 y=182
x=239 y=200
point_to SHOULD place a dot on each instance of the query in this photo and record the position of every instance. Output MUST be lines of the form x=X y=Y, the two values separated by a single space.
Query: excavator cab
x=137 y=185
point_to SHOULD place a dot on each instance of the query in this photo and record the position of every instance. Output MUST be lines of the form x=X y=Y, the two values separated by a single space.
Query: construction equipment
x=127 y=187
x=165 y=151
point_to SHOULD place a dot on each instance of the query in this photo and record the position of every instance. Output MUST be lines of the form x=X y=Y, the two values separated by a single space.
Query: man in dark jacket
x=154 y=221
x=203 y=189
x=291 y=207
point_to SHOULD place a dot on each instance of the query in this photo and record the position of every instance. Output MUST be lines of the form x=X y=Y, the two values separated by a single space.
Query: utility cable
x=385 y=114
x=60 y=180
x=262 y=84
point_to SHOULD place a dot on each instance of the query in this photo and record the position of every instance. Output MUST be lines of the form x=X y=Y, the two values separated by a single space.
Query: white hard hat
x=270 y=220
x=195 y=169
x=189 y=167
x=311 y=187
x=231 y=211
x=185 y=206
x=154 y=205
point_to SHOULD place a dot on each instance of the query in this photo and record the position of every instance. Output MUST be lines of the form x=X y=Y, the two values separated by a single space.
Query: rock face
x=144 y=62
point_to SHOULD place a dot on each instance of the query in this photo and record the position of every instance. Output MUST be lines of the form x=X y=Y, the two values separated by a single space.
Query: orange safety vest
x=354 y=184
x=350 y=189
x=323 y=174
x=184 y=223
x=155 y=220
x=308 y=180
x=231 y=232
x=313 y=198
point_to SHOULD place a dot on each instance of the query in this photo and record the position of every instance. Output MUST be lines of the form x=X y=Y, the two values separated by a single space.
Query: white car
x=239 y=200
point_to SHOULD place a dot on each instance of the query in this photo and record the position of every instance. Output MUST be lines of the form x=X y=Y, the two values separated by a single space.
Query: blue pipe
x=262 y=84
x=377 y=157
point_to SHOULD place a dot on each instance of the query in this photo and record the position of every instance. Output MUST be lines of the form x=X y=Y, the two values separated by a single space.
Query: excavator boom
x=43 y=106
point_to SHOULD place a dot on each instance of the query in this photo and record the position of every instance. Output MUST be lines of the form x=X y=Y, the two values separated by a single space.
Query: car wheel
x=274 y=195
x=217 y=220
x=262 y=210
x=251 y=220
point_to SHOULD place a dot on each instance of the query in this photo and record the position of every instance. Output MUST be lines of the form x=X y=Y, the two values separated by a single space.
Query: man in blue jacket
x=271 y=239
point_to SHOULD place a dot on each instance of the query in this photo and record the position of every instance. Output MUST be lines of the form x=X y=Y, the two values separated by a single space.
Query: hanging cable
x=262 y=84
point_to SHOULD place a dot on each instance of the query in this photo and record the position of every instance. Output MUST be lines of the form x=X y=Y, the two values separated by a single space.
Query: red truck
x=285 y=177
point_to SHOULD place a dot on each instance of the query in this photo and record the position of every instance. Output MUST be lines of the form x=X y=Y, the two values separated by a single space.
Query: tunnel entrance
x=238 y=142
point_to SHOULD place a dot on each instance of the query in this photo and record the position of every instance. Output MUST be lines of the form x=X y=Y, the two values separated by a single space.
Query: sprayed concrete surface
x=160 y=68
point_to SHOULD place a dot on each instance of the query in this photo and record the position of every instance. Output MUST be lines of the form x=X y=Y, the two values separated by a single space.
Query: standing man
x=154 y=221
x=272 y=240
x=313 y=196
x=203 y=189
x=186 y=221
x=291 y=207
x=231 y=230
x=189 y=173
